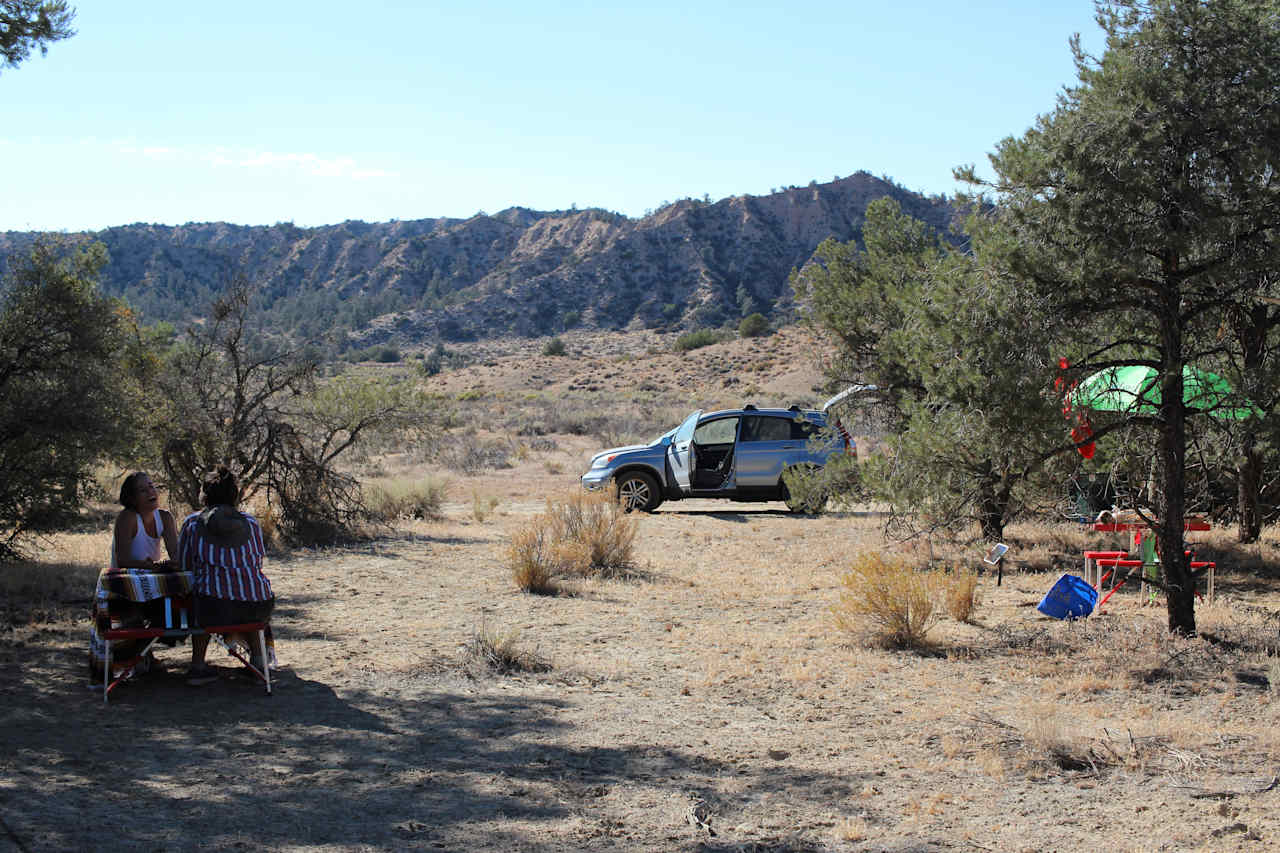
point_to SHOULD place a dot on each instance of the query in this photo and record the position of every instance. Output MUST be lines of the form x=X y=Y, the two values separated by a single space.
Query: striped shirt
x=233 y=573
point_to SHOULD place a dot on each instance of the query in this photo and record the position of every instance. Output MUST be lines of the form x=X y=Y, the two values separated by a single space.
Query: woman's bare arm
x=170 y=536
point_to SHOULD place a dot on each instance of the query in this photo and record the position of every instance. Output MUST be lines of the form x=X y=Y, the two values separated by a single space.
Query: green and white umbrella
x=1134 y=390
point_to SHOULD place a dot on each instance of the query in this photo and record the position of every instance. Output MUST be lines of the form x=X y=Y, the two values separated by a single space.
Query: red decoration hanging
x=1082 y=431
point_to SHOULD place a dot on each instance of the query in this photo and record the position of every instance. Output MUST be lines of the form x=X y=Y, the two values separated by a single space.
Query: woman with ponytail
x=223 y=548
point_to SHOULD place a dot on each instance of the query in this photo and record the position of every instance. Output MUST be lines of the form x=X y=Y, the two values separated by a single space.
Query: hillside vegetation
x=690 y=264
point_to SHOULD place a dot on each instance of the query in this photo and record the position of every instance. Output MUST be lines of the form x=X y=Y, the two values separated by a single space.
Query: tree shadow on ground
x=404 y=763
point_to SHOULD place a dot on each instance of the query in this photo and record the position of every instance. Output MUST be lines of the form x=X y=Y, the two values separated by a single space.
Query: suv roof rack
x=793 y=408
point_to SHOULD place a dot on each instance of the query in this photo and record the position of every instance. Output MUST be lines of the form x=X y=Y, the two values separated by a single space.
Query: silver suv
x=735 y=454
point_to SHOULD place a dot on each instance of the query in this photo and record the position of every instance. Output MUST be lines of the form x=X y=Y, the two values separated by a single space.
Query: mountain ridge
x=517 y=272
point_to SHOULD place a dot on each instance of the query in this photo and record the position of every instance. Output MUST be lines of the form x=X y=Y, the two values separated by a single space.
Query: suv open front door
x=680 y=452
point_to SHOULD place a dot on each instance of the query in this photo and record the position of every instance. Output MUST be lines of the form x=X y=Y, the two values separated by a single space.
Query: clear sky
x=318 y=112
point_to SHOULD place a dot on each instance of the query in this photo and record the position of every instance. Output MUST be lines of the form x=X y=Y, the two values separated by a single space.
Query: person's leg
x=199 y=646
x=205 y=613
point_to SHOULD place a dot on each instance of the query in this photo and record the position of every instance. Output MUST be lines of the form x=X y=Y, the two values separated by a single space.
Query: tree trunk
x=1248 y=483
x=1171 y=456
x=1252 y=326
x=993 y=503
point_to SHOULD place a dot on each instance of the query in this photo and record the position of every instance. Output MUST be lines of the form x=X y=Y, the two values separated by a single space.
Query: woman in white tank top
x=142 y=527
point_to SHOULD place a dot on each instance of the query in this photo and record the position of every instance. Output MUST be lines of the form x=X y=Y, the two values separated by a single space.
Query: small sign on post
x=995 y=557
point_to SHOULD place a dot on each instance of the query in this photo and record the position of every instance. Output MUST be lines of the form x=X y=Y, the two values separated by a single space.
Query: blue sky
x=317 y=112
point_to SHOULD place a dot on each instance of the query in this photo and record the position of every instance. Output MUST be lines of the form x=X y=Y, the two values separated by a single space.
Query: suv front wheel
x=638 y=490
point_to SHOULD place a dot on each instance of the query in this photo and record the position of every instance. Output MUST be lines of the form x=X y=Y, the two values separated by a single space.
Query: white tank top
x=144 y=544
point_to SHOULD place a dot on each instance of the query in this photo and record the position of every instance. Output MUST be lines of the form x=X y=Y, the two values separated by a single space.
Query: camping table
x=119 y=601
x=127 y=622
x=1140 y=543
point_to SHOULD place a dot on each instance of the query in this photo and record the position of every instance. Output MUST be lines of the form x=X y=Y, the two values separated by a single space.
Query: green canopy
x=1133 y=390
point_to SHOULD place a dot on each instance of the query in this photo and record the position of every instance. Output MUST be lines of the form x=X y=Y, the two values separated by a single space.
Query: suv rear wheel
x=810 y=504
x=638 y=490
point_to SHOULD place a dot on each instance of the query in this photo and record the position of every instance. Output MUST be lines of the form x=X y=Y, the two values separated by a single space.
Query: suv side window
x=719 y=431
x=764 y=428
x=803 y=429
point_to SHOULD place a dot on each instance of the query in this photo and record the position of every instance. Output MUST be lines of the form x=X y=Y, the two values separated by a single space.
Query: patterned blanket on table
x=120 y=601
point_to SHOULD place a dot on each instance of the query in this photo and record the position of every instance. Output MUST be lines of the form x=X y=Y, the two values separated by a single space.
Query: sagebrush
x=891 y=596
x=596 y=534
x=580 y=534
x=390 y=500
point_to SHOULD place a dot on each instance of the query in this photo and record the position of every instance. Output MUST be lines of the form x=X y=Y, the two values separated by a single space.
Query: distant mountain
x=523 y=272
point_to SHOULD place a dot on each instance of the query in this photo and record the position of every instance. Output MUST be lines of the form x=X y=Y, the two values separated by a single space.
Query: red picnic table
x=1141 y=553
x=133 y=609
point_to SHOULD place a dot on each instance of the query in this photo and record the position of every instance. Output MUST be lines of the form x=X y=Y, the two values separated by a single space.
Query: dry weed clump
x=894 y=597
x=470 y=455
x=901 y=602
x=483 y=505
x=492 y=651
x=597 y=536
x=1049 y=739
x=406 y=498
x=960 y=592
x=268 y=518
x=580 y=535
x=535 y=558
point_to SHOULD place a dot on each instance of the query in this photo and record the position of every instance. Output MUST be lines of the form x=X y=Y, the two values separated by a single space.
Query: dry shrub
x=579 y=534
x=406 y=498
x=483 y=505
x=1048 y=739
x=471 y=455
x=535 y=557
x=268 y=517
x=960 y=594
x=490 y=650
x=896 y=599
x=596 y=534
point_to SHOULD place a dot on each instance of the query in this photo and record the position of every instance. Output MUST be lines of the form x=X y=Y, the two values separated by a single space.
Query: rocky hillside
x=523 y=272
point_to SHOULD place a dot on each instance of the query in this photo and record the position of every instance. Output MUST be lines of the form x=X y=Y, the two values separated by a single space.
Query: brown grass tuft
x=482 y=506
x=535 y=558
x=960 y=594
x=268 y=517
x=597 y=535
x=895 y=599
x=494 y=651
x=390 y=500
x=579 y=534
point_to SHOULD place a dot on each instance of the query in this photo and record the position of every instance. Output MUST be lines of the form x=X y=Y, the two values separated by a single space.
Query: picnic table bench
x=134 y=609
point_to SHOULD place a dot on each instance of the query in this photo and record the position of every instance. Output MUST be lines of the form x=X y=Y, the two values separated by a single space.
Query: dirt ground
x=705 y=703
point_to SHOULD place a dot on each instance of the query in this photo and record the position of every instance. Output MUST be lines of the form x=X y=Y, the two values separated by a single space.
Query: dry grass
x=580 y=535
x=483 y=505
x=492 y=651
x=895 y=599
x=406 y=498
x=597 y=534
x=960 y=593
x=268 y=516
x=535 y=558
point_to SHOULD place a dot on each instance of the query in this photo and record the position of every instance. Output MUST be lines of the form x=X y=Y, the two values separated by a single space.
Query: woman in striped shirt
x=222 y=547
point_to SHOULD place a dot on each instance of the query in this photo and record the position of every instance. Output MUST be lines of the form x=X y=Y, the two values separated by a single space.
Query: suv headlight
x=603 y=461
